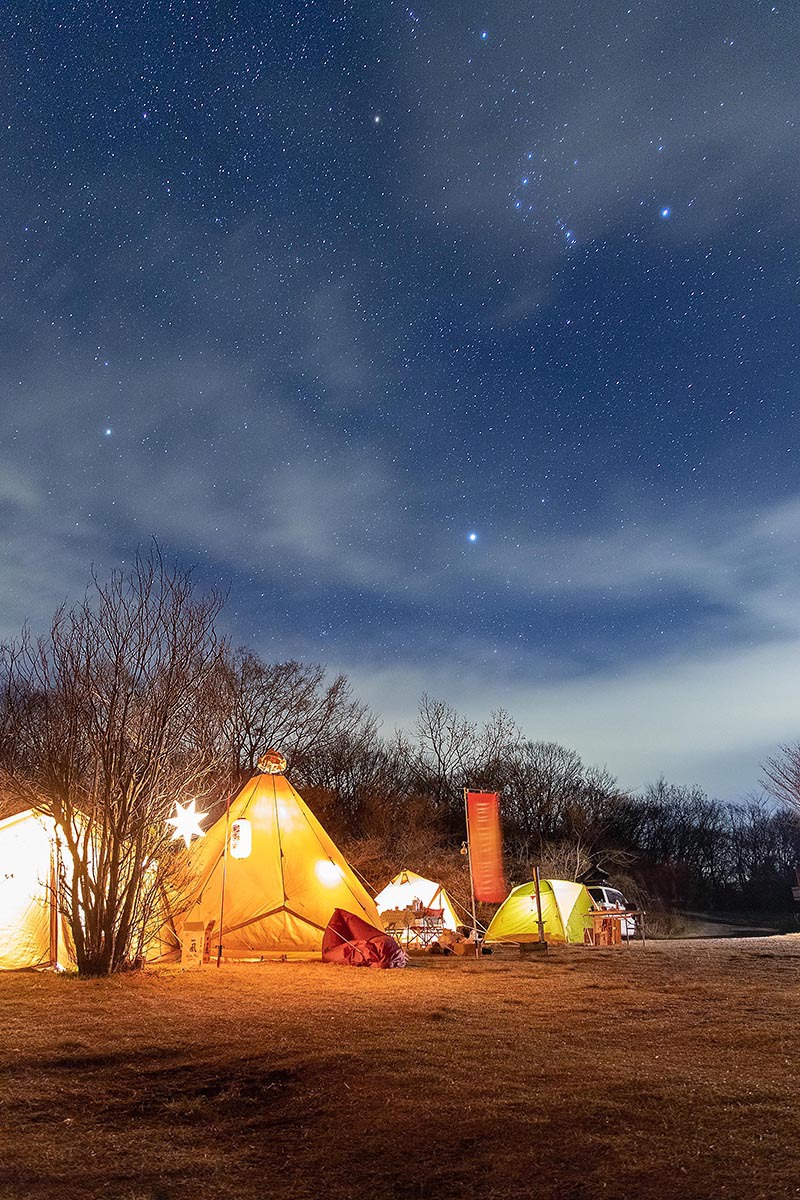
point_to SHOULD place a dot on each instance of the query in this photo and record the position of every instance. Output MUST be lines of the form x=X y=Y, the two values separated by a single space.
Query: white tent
x=32 y=931
x=408 y=890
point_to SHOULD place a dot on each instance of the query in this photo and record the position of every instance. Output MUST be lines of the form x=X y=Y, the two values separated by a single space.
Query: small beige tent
x=283 y=875
x=32 y=931
x=564 y=908
x=409 y=891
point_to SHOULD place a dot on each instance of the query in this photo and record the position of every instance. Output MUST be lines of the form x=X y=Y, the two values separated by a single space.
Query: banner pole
x=471 y=880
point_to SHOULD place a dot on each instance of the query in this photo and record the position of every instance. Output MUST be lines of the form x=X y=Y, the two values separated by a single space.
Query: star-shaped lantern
x=187 y=822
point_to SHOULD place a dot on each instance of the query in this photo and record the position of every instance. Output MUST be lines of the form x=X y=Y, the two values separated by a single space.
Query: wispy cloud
x=247 y=481
x=278 y=504
x=606 y=138
x=710 y=718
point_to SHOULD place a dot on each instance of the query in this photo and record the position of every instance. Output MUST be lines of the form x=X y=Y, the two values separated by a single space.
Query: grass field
x=665 y=1072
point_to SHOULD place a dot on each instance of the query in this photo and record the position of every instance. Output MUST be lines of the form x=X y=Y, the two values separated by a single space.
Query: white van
x=610 y=898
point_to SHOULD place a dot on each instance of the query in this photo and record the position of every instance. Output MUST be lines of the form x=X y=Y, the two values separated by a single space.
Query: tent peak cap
x=272 y=763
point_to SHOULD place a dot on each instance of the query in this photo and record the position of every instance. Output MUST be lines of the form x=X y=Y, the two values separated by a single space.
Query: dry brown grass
x=659 y=1073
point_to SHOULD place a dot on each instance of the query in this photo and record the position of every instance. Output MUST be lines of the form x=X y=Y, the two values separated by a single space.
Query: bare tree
x=357 y=777
x=782 y=776
x=290 y=706
x=444 y=751
x=543 y=782
x=109 y=719
x=564 y=860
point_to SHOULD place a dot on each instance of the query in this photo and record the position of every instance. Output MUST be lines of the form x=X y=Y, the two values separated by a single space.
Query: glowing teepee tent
x=32 y=931
x=409 y=890
x=564 y=908
x=283 y=876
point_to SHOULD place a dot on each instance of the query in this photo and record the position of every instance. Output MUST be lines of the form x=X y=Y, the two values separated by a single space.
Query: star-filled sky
x=458 y=342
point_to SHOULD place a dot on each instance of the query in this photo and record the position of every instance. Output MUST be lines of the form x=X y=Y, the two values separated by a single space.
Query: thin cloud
x=710 y=718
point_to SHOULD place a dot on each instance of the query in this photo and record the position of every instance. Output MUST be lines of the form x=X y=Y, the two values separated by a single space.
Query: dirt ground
x=670 y=1071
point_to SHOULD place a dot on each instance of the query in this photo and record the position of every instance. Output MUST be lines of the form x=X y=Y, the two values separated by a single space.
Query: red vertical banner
x=486 y=846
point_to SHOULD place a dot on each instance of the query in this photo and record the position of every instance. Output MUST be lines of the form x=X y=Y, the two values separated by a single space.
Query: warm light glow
x=241 y=841
x=289 y=816
x=187 y=822
x=329 y=872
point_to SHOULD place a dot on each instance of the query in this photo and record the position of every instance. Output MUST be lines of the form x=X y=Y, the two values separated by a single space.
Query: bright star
x=665 y=212
x=484 y=35
x=108 y=432
x=187 y=822
x=472 y=537
x=377 y=118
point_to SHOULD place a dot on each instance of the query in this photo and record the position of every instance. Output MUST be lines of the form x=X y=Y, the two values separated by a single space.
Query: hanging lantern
x=186 y=823
x=241 y=839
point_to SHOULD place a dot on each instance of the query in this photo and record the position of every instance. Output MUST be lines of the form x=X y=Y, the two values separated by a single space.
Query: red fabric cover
x=353 y=942
x=486 y=846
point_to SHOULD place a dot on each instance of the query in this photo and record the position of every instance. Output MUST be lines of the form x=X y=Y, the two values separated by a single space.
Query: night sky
x=458 y=343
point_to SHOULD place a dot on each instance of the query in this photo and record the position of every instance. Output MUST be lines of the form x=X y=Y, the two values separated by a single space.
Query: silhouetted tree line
x=132 y=700
x=667 y=844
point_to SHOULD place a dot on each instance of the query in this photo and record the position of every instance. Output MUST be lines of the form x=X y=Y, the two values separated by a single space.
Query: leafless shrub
x=108 y=720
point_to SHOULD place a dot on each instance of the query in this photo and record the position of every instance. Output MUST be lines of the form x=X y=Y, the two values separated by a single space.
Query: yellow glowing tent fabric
x=32 y=931
x=279 y=899
x=564 y=908
x=407 y=888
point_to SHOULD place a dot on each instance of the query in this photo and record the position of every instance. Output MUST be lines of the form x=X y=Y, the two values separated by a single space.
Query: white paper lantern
x=241 y=840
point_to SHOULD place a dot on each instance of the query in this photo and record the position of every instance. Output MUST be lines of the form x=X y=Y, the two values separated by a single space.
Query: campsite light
x=272 y=763
x=187 y=822
x=329 y=872
x=241 y=840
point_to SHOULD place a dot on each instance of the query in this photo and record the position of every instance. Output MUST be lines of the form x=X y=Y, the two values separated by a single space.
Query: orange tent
x=283 y=875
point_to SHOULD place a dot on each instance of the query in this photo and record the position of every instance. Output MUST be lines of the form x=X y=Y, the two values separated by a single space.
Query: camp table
x=607 y=926
x=421 y=927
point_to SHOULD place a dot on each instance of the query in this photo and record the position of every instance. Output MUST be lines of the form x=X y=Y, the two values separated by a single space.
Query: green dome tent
x=564 y=908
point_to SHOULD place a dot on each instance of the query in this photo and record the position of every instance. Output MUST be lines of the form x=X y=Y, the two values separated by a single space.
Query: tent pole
x=539 y=920
x=54 y=915
x=471 y=880
x=224 y=876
